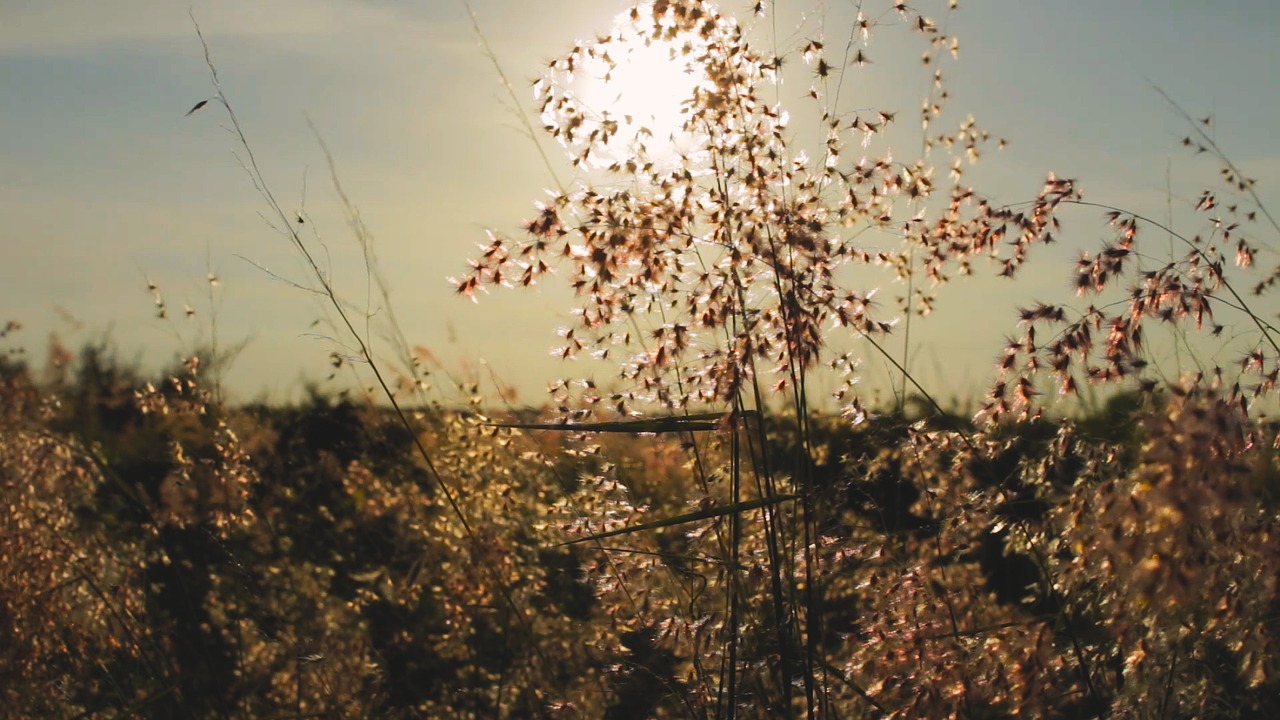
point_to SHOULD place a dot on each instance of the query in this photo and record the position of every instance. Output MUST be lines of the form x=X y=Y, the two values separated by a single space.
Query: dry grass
x=748 y=556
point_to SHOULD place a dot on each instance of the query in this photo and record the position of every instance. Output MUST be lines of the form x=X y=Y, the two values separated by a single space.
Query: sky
x=107 y=186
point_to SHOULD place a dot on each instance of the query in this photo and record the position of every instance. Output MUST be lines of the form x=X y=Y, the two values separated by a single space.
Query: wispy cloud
x=40 y=27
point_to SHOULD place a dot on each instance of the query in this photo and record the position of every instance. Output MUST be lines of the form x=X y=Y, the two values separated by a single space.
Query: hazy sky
x=106 y=185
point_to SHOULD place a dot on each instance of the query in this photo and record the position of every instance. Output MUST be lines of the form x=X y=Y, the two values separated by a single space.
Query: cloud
x=73 y=27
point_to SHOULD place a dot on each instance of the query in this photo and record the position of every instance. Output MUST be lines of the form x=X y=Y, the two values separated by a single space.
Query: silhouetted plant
x=721 y=280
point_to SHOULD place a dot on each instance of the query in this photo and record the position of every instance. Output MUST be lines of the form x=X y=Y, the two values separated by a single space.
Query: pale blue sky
x=105 y=183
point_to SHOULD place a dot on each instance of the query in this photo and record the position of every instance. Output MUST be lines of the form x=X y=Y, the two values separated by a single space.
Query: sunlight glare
x=645 y=92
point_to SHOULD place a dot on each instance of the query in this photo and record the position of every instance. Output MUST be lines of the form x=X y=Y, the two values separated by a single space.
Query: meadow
x=700 y=535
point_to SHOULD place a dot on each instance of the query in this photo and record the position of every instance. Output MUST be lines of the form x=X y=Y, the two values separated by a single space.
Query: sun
x=645 y=85
x=648 y=87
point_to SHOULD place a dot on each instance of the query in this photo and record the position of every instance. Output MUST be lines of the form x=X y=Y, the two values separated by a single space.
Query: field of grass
x=696 y=539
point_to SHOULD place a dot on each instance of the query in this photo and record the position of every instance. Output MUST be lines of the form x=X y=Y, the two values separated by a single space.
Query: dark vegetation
x=169 y=557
